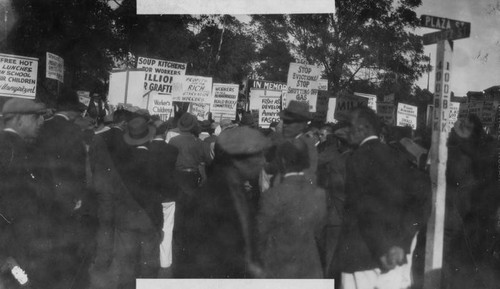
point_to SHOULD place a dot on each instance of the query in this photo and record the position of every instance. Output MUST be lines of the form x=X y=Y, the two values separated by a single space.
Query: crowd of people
x=98 y=202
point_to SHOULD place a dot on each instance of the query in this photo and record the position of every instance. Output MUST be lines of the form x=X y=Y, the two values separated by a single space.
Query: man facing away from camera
x=385 y=207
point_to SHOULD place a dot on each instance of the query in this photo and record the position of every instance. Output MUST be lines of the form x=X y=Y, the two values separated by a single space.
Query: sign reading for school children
x=303 y=83
x=225 y=98
x=55 y=67
x=161 y=74
x=195 y=89
x=18 y=75
x=407 y=115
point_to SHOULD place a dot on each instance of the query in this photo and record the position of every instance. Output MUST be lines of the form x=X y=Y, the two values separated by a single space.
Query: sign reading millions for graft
x=161 y=74
x=303 y=84
x=195 y=89
x=266 y=97
x=225 y=98
x=18 y=75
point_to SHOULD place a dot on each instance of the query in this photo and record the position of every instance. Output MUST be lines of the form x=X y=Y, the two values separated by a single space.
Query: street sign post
x=450 y=30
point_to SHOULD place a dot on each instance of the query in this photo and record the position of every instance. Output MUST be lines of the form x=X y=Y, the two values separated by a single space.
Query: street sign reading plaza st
x=450 y=29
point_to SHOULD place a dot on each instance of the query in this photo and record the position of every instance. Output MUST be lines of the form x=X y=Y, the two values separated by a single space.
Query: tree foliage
x=365 y=40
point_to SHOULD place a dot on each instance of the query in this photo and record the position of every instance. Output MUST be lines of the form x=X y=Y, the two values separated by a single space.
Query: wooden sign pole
x=439 y=156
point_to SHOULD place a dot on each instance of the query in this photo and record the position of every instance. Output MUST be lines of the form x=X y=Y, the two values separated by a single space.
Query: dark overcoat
x=291 y=215
x=387 y=202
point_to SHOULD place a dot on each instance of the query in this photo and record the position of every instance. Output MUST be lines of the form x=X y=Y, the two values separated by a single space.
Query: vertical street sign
x=449 y=30
x=439 y=156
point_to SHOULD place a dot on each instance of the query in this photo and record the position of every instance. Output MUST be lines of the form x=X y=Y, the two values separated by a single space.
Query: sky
x=476 y=60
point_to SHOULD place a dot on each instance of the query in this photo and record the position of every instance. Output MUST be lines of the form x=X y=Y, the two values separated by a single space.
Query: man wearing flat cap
x=23 y=217
x=214 y=233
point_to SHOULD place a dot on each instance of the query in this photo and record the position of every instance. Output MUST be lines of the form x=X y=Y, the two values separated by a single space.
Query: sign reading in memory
x=266 y=97
x=18 y=75
x=161 y=74
x=55 y=67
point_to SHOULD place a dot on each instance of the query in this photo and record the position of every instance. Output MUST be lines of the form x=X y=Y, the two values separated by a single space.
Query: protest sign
x=346 y=103
x=225 y=100
x=330 y=114
x=263 y=88
x=126 y=87
x=192 y=88
x=372 y=99
x=160 y=104
x=200 y=110
x=54 y=67
x=322 y=106
x=323 y=84
x=386 y=112
x=269 y=111
x=389 y=97
x=83 y=97
x=407 y=115
x=302 y=83
x=18 y=75
x=161 y=74
x=453 y=113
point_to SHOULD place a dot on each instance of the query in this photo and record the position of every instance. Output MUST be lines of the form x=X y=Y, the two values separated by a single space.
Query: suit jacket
x=62 y=150
x=387 y=202
x=211 y=231
x=162 y=166
x=291 y=215
x=26 y=223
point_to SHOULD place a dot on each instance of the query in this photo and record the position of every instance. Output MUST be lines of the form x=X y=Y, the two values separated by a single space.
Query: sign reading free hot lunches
x=161 y=74
x=407 y=115
x=18 y=76
x=195 y=89
x=303 y=84
x=225 y=98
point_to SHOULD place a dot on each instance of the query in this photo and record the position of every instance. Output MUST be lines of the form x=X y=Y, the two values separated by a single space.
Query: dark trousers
x=188 y=182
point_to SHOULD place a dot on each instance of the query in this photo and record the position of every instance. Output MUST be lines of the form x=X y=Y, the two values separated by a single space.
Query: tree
x=81 y=32
x=370 y=40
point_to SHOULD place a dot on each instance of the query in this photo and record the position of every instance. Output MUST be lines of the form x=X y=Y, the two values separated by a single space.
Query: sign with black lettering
x=161 y=74
x=18 y=75
x=385 y=110
x=346 y=103
x=192 y=88
x=54 y=67
x=303 y=84
x=160 y=104
x=225 y=100
x=407 y=115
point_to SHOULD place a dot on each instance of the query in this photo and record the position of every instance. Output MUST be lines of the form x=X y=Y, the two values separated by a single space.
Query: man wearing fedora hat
x=295 y=119
x=23 y=216
x=138 y=256
x=194 y=154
